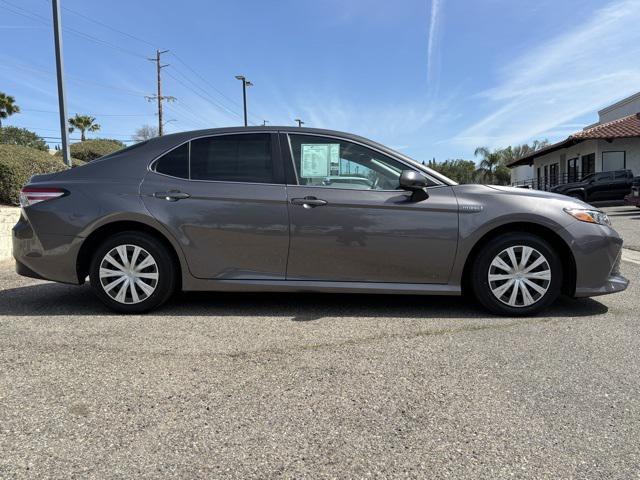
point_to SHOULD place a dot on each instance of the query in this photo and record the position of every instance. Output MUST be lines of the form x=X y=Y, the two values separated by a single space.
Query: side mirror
x=412 y=180
x=416 y=183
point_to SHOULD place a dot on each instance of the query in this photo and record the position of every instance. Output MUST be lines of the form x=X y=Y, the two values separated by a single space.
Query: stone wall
x=8 y=218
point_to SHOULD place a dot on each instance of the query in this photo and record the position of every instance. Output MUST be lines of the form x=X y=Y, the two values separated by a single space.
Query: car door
x=601 y=186
x=621 y=184
x=351 y=222
x=223 y=198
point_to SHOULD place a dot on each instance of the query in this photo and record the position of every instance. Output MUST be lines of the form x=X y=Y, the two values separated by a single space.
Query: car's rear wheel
x=132 y=272
x=517 y=274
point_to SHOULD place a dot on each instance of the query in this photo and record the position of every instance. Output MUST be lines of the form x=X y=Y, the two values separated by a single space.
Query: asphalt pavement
x=316 y=386
x=626 y=220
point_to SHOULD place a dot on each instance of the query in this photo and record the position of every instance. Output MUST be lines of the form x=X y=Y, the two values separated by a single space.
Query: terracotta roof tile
x=622 y=127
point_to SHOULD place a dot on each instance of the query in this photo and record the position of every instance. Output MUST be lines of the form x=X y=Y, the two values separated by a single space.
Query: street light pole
x=245 y=83
x=62 y=104
x=300 y=122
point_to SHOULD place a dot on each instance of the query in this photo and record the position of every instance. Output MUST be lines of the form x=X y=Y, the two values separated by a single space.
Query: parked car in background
x=634 y=196
x=249 y=209
x=613 y=185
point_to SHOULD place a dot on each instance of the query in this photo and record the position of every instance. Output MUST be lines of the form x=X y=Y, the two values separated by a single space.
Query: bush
x=18 y=164
x=22 y=136
x=91 y=149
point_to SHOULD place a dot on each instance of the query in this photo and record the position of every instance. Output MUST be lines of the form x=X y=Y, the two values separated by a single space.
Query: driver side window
x=334 y=163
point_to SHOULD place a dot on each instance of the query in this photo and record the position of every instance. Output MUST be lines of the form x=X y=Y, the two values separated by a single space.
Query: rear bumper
x=45 y=256
x=632 y=200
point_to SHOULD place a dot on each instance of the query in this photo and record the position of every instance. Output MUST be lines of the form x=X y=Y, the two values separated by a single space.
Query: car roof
x=273 y=128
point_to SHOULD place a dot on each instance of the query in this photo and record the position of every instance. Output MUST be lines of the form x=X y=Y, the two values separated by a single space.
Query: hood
x=539 y=194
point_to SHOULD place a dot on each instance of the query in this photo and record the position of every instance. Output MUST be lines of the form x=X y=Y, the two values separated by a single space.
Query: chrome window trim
x=153 y=161
x=370 y=147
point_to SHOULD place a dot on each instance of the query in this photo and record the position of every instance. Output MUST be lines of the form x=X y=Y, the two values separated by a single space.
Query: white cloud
x=434 y=27
x=576 y=73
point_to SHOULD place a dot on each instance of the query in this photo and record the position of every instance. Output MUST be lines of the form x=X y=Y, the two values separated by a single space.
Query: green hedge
x=22 y=136
x=91 y=149
x=18 y=164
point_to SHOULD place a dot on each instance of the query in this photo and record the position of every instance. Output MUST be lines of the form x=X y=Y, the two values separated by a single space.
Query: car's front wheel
x=517 y=274
x=132 y=272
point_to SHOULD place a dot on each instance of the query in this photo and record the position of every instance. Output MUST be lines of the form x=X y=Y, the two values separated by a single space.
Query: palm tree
x=489 y=163
x=84 y=123
x=7 y=106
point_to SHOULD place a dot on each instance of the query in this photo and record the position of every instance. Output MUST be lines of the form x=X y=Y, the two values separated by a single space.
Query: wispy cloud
x=576 y=73
x=434 y=27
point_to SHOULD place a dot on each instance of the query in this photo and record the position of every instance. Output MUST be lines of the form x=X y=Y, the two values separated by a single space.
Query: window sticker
x=318 y=159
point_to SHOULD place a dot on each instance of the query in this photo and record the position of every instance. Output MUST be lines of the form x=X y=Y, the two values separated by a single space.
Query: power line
x=74 y=78
x=97 y=22
x=209 y=98
x=34 y=16
x=94 y=114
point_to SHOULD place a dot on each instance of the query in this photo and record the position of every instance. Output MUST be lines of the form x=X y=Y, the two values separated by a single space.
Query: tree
x=84 y=123
x=491 y=160
x=145 y=132
x=462 y=171
x=23 y=137
x=7 y=106
x=511 y=154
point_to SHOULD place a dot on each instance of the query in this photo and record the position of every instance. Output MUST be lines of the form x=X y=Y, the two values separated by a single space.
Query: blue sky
x=432 y=78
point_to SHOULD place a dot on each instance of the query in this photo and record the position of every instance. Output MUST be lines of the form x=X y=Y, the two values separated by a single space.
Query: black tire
x=164 y=269
x=482 y=287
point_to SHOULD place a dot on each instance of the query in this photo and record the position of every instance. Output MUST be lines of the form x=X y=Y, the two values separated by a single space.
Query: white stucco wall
x=521 y=173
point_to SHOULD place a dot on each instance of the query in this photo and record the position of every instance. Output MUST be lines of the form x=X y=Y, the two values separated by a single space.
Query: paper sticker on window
x=318 y=158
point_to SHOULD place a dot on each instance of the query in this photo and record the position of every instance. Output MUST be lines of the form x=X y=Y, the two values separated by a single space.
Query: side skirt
x=319 y=286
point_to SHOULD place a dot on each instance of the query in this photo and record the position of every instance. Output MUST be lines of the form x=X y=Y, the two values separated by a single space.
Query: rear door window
x=233 y=158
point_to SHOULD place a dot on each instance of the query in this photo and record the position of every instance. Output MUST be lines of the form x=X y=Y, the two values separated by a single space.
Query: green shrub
x=91 y=149
x=18 y=164
x=22 y=136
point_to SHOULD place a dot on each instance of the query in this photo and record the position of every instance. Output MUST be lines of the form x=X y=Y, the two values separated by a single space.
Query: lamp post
x=300 y=122
x=62 y=105
x=245 y=83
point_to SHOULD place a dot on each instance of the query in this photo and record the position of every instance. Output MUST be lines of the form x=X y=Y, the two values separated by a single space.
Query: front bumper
x=597 y=251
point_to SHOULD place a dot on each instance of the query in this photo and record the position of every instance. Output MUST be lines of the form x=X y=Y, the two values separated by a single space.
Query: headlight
x=589 y=216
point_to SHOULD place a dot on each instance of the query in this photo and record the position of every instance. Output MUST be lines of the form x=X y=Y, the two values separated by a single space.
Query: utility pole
x=62 y=104
x=158 y=96
x=300 y=122
x=245 y=83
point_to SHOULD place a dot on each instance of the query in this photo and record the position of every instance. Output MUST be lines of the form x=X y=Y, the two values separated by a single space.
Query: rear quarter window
x=174 y=163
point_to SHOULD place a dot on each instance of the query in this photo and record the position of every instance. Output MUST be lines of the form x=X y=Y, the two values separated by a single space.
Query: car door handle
x=172 y=195
x=308 y=202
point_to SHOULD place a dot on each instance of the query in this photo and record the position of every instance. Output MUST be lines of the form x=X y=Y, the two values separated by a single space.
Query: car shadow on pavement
x=52 y=299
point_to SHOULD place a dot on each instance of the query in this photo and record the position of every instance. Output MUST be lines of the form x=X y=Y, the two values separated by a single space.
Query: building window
x=588 y=164
x=546 y=176
x=613 y=161
x=572 y=169
x=553 y=173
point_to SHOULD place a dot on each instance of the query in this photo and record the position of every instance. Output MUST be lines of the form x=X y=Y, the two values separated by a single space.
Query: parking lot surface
x=626 y=221
x=318 y=386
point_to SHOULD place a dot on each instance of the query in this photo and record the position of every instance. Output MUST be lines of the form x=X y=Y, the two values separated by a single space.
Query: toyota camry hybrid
x=304 y=210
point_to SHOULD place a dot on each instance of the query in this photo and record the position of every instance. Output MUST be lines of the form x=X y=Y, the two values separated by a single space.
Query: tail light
x=32 y=195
